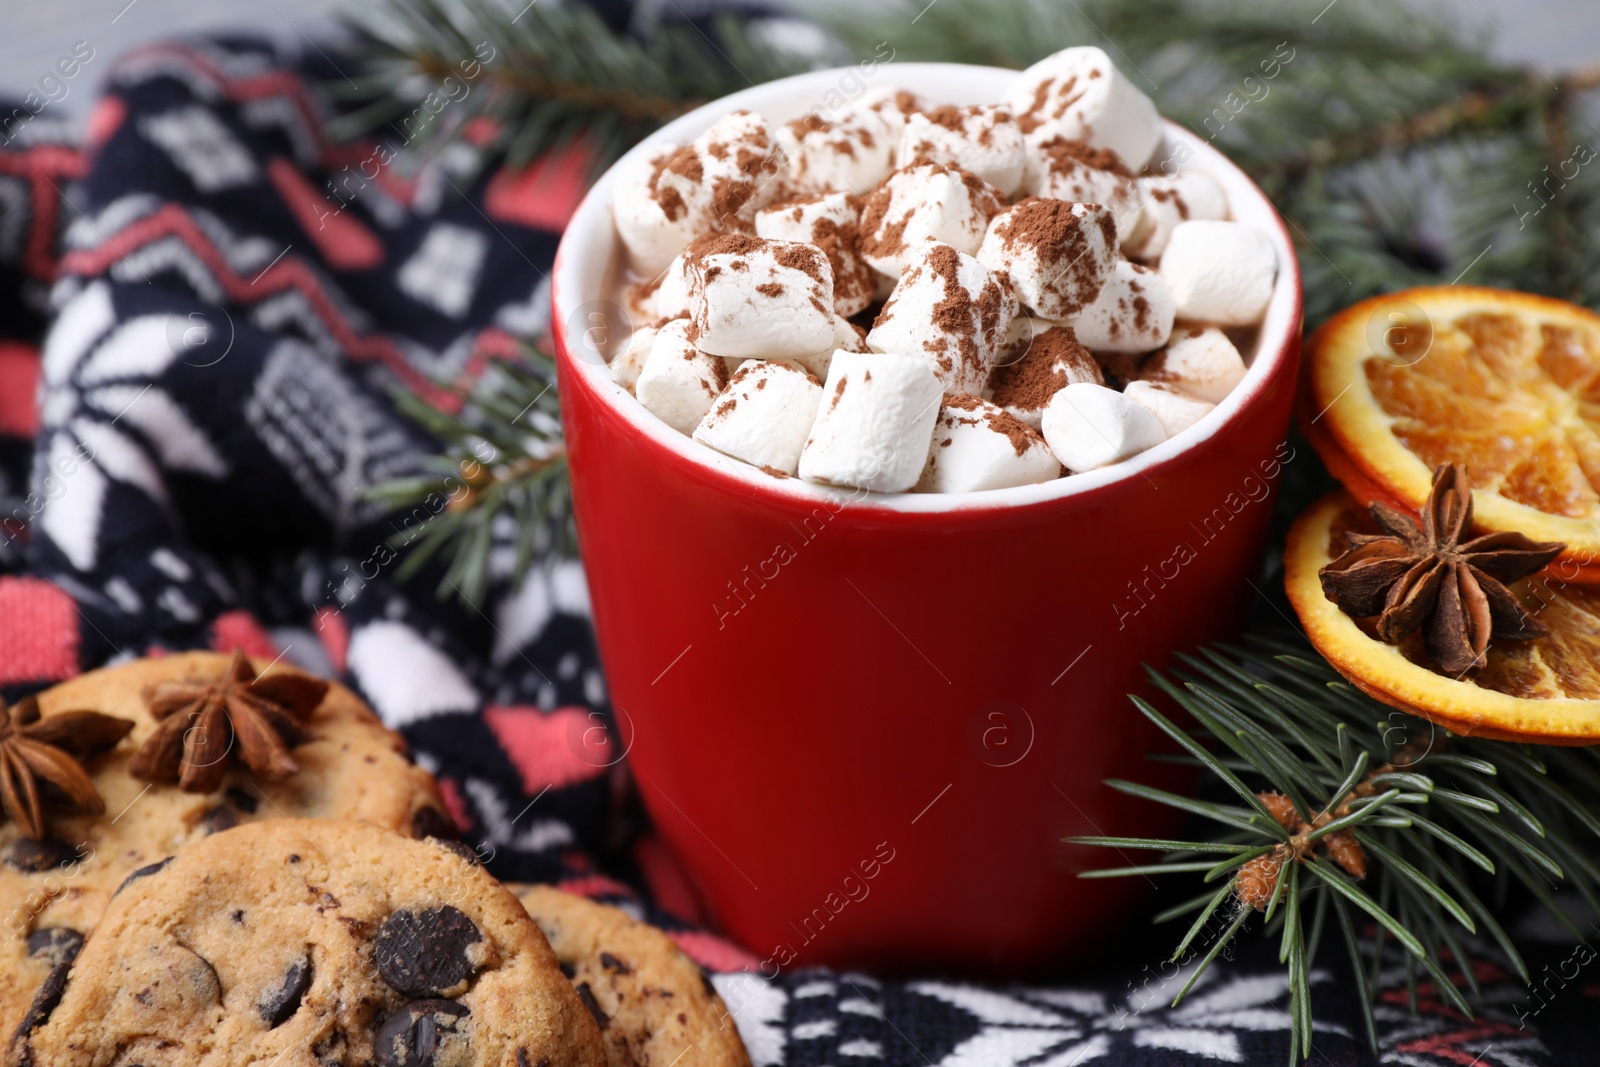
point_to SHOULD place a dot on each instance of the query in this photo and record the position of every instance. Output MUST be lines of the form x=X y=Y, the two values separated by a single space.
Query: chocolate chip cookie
x=311 y=941
x=52 y=890
x=654 y=1005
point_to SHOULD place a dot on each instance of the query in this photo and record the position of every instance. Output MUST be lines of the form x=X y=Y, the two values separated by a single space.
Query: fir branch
x=501 y=472
x=538 y=81
x=1401 y=824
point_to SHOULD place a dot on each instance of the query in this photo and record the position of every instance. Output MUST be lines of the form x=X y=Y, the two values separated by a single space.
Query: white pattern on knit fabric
x=405 y=677
x=500 y=824
x=443 y=272
x=546 y=591
x=757 y=1006
x=72 y=520
x=200 y=145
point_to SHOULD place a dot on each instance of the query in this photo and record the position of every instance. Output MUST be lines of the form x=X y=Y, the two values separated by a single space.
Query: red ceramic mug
x=864 y=723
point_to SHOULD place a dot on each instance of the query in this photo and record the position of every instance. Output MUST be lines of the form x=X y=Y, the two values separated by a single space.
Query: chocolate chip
x=45 y=854
x=586 y=995
x=55 y=944
x=277 y=1005
x=218 y=819
x=237 y=915
x=464 y=851
x=244 y=801
x=428 y=953
x=294 y=857
x=523 y=1061
x=431 y=822
x=46 y=1000
x=142 y=872
x=611 y=963
x=417 y=1034
x=568 y=969
x=330 y=1050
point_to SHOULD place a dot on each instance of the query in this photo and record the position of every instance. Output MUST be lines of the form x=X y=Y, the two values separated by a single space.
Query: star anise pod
x=41 y=761
x=1420 y=575
x=209 y=724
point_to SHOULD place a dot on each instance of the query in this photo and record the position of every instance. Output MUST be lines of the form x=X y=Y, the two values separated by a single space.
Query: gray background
x=1553 y=35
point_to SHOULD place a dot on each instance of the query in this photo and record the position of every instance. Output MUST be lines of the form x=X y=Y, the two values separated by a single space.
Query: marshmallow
x=1201 y=362
x=950 y=311
x=926 y=202
x=977 y=445
x=883 y=285
x=1220 y=272
x=653 y=228
x=828 y=221
x=847 y=337
x=852 y=152
x=1169 y=199
x=1083 y=174
x=892 y=105
x=1079 y=94
x=666 y=296
x=1090 y=426
x=1133 y=312
x=1039 y=359
x=761 y=299
x=982 y=140
x=763 y=416
x=626 y=364
x=874 y=423
x=716 y=183
x=1055 y=255
x=1174 y=409
x=724 y=176
x=679 y=383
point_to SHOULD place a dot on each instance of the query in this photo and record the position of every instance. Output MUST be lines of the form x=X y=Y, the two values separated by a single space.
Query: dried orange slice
x=1543 y=691
x=1503 y=384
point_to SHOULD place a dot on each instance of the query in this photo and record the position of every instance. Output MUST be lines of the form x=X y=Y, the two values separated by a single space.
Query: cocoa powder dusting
x=1020 y=434
x=1061 y=153
x=955 y=315
x=729 y=196
x=986 y=199
x=963 y=402
x=1028 y=383
x=1067 y=97
x=812 y=123
x=684 y=163
x=838 y=240
x=796 y=256
x=1054 y=233
x=1141 y=313
x=1029 y=120
x=736 y=244
x=950 y=117
x=771 y=290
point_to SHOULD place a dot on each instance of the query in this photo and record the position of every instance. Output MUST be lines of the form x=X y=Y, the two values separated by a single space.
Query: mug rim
x=1276 y=343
